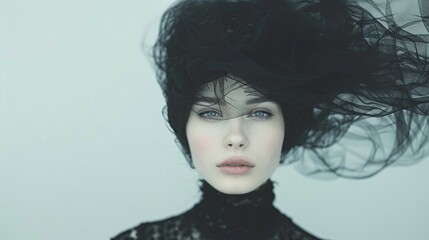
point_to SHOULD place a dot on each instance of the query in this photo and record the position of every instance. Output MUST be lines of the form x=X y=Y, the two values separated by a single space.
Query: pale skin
x=248 y=127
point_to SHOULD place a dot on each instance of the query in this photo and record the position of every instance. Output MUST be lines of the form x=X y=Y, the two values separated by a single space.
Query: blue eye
x=210 y=115
x=260 y=114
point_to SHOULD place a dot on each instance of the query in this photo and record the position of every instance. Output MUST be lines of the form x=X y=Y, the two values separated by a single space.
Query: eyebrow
x=212 y=100
x=256 y=100
x=215 y=100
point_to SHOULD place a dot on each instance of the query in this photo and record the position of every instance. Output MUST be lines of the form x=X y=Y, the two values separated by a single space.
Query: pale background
x=85 y=153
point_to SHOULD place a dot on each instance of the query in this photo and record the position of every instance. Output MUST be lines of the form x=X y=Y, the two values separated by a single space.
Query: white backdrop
x=85 y=153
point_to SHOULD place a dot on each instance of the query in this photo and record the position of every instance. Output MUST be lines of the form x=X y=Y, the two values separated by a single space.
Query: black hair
x=329 y=64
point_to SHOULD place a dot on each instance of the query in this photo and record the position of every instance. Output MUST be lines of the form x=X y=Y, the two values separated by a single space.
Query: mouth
x=235 y=166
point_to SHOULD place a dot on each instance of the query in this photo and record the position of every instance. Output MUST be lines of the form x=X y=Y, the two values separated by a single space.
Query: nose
x=235 y=137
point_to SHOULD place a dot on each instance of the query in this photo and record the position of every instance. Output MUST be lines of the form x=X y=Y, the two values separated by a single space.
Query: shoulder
x=290 y=230
x=156 y=229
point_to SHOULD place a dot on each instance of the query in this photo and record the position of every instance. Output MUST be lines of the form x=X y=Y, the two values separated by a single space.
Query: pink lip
x=235 y=166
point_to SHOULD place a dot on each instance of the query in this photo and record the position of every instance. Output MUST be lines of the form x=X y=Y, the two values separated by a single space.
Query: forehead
x=228 y=88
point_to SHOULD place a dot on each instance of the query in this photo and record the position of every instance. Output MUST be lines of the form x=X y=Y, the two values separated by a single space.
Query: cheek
x=273 y=150
x=272 y=141
x=200 y=143
x=276 y=141
x=269 y=142
x=201 y=139
x=272 y=153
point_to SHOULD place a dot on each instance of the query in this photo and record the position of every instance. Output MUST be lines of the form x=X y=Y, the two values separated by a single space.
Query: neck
x=237 y=215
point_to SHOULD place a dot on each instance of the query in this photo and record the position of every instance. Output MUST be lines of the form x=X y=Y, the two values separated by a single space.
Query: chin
x=235 y=186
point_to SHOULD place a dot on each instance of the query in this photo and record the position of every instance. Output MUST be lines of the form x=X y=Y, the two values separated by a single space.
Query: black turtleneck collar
x=239 y=216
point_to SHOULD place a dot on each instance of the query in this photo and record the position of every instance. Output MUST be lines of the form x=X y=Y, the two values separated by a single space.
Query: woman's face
x=235 y=143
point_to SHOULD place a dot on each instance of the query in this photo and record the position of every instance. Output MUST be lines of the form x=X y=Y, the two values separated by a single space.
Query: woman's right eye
x=210 y=115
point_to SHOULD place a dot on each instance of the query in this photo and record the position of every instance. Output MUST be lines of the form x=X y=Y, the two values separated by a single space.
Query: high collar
x=242 y=216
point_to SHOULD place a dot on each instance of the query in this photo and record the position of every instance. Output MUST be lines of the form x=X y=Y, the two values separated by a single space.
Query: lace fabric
x=250 y=216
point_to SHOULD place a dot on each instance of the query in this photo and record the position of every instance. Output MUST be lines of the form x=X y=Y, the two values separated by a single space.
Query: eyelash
x=204 y=115
x=266 y=115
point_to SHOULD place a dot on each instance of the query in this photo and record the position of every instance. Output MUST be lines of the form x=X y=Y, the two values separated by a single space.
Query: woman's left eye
x=260 y=114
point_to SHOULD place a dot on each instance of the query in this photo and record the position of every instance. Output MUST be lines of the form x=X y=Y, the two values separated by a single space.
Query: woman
x=251 y=84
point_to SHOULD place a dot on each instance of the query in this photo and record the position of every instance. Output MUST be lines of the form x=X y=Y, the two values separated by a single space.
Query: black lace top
x=220 y=216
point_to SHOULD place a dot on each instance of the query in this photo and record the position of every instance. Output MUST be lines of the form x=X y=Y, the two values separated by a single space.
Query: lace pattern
x=250 y=216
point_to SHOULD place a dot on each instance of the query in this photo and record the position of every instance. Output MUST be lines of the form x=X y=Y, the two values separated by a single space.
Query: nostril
x=233 y=145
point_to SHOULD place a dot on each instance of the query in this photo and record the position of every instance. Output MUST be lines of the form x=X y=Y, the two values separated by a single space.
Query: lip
x=235 y=166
